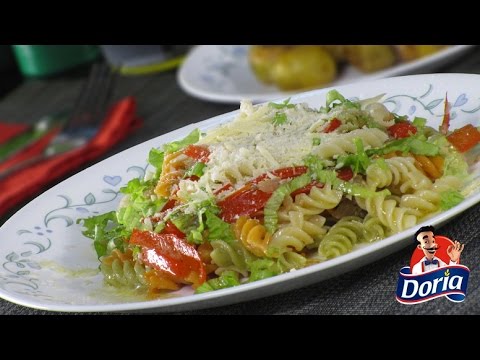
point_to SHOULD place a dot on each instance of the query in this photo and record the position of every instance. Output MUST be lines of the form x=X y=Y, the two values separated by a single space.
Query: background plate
x=221 y=73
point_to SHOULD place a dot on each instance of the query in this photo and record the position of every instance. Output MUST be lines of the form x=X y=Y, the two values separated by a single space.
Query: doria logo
x=434 y=270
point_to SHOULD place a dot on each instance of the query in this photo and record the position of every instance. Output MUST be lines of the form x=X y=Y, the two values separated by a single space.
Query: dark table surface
x=165 y=107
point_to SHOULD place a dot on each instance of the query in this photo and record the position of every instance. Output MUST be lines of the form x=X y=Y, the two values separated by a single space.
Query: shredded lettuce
x=185 y=222
x=196 y=170
x=217 y=228
x=334 y=98
x=156 y=156
x=190 y=224
x=416 y=144
x=205 y=218
x=273 y=204
x=285 y=104
x=450 y=198
x=106 y=233
x=262 y=269
x=195 y=235
x=226 y=279
x=279 y=118
x=139 y=205
x=191 y=138
x=419 y=123
x=455 y=164
x=316 y=141
x=314 y=163
x=316 y=166
x=358 y=162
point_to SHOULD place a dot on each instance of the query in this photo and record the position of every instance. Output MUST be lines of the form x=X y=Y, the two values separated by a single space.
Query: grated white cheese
x=252 y=145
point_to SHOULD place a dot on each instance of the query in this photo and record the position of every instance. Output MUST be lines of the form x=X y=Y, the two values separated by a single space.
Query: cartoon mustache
x=432 y=249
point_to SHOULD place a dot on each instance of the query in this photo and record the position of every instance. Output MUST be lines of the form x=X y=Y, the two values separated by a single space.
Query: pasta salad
x=281 y=187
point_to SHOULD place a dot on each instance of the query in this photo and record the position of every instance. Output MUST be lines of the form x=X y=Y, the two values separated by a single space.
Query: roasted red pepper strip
x=223 y=188
x=464 y=138
x=197 y=152
x=402 y=130
x=345 y=173
x=170 y=204
x=446 y=117
x=283 y=173
x=332 y=125
x=249 y=200
x=246 y=201
x=170 y=255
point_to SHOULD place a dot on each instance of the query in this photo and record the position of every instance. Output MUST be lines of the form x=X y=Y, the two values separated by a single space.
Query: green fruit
x=302 y=67
x=262 y=58
x=370 y=58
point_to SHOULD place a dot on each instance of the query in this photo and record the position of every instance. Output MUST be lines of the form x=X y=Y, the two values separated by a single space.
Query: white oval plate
x=221 y=73
x=46 y=263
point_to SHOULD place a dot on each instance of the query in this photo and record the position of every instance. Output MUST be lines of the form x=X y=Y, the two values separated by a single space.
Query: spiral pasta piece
x=252 y=234
x=401 y=172
x=230 y=256
x=173 y=169
x=373 y=229
x=299 y=232
x=386 y=210
x=342 y=144
x=291 y=260
x=318 y=200
x=421 y=203
x=342 y=236
x=121 y=270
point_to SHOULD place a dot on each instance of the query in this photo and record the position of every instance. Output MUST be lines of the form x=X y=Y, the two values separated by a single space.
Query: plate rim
x=246 y=291
x=393 y=71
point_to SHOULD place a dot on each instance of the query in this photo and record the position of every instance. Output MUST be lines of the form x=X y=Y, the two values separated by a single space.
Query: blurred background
x=294 y=67
x=212 y=71
x=23 y=62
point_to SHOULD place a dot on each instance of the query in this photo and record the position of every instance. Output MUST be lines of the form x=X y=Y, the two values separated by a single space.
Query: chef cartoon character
x=428 y=245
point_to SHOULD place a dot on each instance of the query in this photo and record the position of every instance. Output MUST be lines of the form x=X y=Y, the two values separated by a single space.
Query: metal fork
x=83 y=123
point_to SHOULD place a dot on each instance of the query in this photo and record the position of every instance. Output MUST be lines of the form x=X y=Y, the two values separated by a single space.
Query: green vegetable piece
x=285 y=104
x=416 y=144
x=263 y=268
x=227 y=279
x=450 y=198
x=106 y=233
x=174 y=146
x=275 y=201
x=155 y=158
x=358 y=162
x=217 y=228
x=196 y=170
